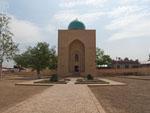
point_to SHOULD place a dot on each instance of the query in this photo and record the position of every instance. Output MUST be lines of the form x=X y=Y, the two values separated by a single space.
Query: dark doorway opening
x=76 y=68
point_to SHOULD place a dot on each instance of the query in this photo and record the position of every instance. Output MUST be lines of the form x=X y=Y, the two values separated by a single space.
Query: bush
x=79 y=80
x=89 y=77
x=54 y=78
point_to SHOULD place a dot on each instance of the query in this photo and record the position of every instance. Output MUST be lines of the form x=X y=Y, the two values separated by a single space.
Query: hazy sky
x=122 y=26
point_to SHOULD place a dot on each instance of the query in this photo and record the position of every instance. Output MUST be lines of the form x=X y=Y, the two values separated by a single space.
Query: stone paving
x=29 y=82
x=62 y=98
x=66 y=98
x=111 y=82
x=71 y=82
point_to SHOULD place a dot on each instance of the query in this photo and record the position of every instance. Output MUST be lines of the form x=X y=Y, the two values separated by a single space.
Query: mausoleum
x=76 y=50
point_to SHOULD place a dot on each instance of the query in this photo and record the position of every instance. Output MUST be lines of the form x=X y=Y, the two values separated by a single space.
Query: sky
x=122 y=26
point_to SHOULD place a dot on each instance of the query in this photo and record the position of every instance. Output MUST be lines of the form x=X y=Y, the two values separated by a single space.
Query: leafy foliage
x=37 y=58
x=99 y=55
x=53 y=59
x=54 y=78
x=8 y=48
x=89 y=77
x=23 y=59
x=107 y=60
x=101 y=58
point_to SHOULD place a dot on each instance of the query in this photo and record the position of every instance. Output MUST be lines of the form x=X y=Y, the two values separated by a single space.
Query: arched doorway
x=76 y=57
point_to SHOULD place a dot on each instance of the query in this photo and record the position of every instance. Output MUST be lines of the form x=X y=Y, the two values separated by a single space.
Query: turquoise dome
x=76 y=24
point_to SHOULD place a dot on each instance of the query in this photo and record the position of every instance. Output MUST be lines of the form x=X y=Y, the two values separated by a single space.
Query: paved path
x=72 y=80
x=60 y=99
x=111 y=82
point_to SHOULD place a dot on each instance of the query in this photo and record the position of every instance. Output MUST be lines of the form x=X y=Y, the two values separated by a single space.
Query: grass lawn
x=11 y=94
x=132 y=98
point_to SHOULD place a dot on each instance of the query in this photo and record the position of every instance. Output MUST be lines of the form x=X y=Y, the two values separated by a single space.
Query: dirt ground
x=11 y=94
x=132 y=98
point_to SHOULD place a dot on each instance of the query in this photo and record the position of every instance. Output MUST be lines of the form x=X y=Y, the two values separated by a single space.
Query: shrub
x=89 y=77
x=54 y=78
x=79 y=80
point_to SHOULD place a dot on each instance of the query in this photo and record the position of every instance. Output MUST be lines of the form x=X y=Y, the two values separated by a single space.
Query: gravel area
x=10 y=94
x=132 y=98
x=138 y=77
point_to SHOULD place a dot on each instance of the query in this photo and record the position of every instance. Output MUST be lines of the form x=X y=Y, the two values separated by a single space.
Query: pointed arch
x=76 y=57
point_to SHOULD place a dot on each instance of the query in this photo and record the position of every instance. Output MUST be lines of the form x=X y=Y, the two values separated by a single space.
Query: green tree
x=101 y=58
x=7 y=47
x=53 y=59
x=38 y=58
x=107 y=60
x=22 y=60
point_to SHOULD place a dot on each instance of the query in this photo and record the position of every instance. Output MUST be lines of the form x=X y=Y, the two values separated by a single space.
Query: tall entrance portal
x=76 y=57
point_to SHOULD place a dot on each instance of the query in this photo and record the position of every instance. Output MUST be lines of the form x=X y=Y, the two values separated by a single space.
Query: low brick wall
x=133 y=71
x=45 y=72
x=99 y=72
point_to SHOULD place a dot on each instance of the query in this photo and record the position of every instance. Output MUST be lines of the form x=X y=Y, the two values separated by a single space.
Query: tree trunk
x=38 y=74
x=19 y=69
x=1 y=70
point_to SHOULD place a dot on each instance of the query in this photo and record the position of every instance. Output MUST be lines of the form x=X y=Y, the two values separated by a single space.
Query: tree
x=7 y=47
x=126 y=59
x=53 y=59
x=37 y=58
x=22 y=60
x=107 y=60
x=101 y=58
x=99 y=55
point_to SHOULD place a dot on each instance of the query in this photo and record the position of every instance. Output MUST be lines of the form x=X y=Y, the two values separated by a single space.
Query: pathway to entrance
x=68 y=98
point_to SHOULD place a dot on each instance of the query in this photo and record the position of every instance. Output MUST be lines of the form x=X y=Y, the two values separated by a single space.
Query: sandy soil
x=11 y=94
x=132 y=98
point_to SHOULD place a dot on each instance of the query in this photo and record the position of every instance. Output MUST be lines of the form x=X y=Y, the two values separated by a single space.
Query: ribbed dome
x=76 y=24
